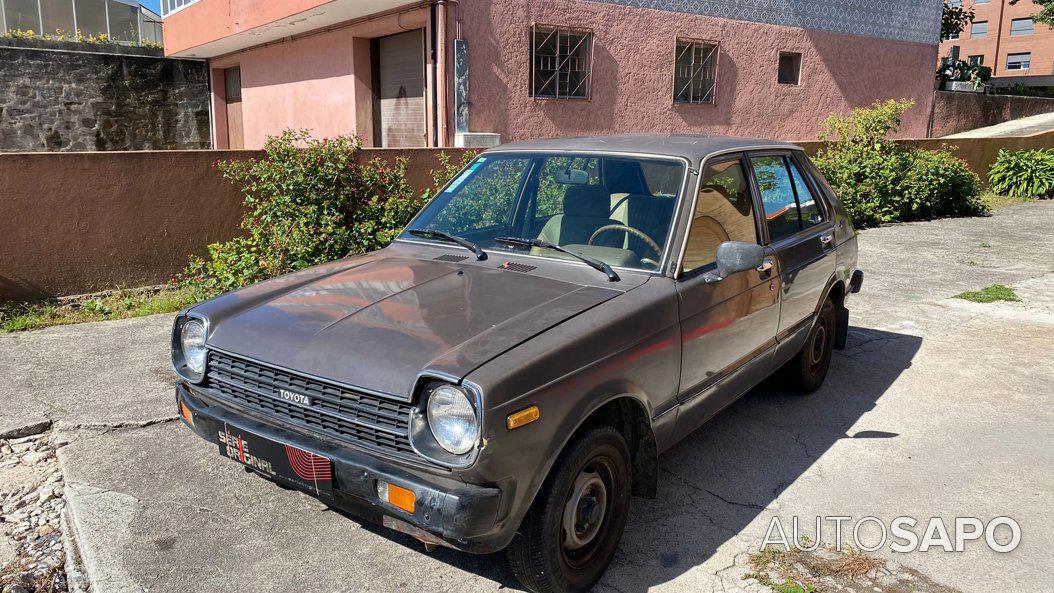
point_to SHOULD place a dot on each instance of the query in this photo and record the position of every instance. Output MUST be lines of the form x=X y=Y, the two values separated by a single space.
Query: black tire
x=807 y=370
x=541 y=554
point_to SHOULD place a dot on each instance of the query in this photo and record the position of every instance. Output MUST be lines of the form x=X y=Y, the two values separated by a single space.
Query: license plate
x=281 y=462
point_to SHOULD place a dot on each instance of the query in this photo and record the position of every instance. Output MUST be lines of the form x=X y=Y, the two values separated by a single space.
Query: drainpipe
x=998 y=35
x=433 y=95
x=441 y=72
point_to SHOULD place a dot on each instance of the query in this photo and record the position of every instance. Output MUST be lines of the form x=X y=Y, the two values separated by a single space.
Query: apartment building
x=1004 y=37
x=473 y=72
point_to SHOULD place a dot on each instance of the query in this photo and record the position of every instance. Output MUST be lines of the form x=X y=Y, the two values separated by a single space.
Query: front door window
x=723 y=212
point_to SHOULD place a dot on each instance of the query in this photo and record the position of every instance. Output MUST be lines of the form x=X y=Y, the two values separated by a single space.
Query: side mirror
x=736 y=256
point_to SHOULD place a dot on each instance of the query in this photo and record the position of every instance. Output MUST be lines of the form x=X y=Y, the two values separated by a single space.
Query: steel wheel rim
x=819 y=344
x=587 y=513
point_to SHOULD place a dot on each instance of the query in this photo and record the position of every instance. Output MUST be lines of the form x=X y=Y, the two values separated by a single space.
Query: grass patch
x=994 y=200
x=115 y=304
x=995 y=292
x=826 y=570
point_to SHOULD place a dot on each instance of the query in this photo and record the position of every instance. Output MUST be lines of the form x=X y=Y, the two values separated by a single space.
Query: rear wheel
x=571 y=532
x=807 y=370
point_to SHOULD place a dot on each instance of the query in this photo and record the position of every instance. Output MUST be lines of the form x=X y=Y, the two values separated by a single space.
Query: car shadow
x=717 y=480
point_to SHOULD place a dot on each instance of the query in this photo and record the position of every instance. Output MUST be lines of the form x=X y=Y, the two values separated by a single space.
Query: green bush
x=1023 y=173
x=880 y=180
x=938 y=184
x=307 y=202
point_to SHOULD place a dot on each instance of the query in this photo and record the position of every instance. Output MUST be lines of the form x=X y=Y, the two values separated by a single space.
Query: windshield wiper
x=593 y=262
x=428 y=233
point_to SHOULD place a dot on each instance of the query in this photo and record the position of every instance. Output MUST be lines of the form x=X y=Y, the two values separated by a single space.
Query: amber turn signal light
x=397 y=496
x=522 y=418
x=185 y=411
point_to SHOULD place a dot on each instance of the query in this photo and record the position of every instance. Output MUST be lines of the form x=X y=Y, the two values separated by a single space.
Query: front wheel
x=571 y=532
x=808 y=368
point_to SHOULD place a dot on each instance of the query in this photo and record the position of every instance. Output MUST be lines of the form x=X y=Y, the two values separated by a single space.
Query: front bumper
x=448 y=511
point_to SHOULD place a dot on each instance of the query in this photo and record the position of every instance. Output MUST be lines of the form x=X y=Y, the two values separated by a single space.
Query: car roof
x=690 y=146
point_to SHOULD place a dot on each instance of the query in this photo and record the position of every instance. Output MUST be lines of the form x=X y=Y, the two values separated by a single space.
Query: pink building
x=471 y=72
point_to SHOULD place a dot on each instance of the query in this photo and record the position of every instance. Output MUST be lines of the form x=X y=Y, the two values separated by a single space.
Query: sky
x=154 y=5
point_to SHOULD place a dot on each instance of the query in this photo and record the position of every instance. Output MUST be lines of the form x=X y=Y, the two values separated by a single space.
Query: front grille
x=336 y=411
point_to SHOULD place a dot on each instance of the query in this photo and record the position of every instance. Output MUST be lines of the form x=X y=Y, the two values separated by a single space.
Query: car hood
x=380 y=323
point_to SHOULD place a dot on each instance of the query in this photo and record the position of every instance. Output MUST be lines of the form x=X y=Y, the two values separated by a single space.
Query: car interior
x=614 y=217
x=615 y=209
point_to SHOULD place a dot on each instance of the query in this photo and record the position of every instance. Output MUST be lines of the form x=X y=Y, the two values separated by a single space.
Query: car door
x=800 y=232
x=727 y=327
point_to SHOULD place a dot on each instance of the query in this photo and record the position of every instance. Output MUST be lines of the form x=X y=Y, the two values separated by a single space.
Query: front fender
x=570 y=373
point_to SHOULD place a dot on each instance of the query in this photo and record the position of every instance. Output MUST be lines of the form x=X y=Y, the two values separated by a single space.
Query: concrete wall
x=959 y=112
x=73 y=223
x=633 y=56
x=60 y=96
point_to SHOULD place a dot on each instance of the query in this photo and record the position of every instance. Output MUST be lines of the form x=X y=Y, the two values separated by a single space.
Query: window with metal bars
x=695 y=72
x=561 y=61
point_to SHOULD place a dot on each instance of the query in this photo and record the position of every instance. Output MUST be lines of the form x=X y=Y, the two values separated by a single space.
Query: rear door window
x=777 y=194
x=811 y=214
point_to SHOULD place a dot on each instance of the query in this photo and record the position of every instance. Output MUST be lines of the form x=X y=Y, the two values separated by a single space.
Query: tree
x=955 y=18
x=1045 y=14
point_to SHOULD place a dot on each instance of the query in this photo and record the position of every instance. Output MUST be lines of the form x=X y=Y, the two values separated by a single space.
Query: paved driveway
x=939 y=407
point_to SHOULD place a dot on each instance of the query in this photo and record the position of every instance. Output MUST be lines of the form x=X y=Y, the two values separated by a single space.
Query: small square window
x=790 y=68
x=1020 y=61
x=979 y=29
x=1022 y=27
x=695 y=72
x=560 y=63
x=975 y=60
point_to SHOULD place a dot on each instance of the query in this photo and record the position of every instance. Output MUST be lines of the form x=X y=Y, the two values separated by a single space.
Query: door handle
x=827 y=239
x=766 y=266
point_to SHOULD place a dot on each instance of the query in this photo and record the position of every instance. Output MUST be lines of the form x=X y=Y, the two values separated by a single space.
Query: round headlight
x=192 y=338
x=452 y=419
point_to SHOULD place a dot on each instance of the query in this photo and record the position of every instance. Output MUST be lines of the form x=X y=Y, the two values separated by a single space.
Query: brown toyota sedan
x=505 y=374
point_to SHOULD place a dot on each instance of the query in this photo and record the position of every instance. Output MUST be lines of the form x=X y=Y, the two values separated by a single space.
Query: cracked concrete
x=939 y=407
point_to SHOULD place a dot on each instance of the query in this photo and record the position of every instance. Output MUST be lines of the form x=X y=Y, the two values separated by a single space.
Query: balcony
x=210 y=28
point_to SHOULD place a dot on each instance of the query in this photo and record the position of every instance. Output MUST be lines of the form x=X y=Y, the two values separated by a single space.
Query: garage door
x=401 y=74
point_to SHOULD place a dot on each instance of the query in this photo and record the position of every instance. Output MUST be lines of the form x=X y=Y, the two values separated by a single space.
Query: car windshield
x=614 y=208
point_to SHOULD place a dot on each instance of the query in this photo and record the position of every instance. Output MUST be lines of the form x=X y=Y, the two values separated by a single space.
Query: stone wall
x=68 y=96
x=959 y=112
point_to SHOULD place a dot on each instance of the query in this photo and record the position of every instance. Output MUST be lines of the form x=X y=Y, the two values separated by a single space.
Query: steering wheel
x=630 y=231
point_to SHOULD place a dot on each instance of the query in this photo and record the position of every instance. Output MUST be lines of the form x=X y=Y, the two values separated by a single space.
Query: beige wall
x=979 y=153
x=72 y=223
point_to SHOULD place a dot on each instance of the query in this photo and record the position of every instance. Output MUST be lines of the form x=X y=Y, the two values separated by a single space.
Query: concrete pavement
x=939 y=407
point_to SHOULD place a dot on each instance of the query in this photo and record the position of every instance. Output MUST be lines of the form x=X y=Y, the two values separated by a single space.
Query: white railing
x=121 y=20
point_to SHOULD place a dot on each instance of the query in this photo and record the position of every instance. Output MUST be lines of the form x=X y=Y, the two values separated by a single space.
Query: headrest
x=587 y=200
x=742 y=202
